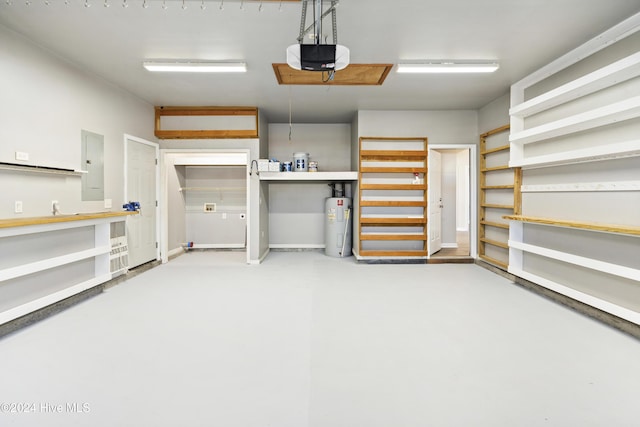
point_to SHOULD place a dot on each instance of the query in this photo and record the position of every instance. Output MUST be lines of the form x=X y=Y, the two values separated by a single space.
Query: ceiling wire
x=290 y=122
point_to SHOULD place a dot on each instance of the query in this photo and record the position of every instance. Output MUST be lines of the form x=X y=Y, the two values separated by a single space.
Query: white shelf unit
x=519 y=249
x=308 y=176
x=32 y=279
x=592 y=118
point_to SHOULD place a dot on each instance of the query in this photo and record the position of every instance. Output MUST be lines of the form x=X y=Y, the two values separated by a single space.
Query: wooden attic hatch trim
x=353 y=75
x=164 y=111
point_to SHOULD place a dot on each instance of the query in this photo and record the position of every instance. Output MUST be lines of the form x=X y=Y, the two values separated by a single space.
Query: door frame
x=473 y=191
x=165 y=164
x=156 y=146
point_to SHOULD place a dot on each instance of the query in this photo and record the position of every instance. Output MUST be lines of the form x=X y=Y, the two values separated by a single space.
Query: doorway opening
x=206 y=201
x=452 y=201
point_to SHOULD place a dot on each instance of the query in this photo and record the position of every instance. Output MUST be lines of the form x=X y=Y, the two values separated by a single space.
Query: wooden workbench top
x=22 y=222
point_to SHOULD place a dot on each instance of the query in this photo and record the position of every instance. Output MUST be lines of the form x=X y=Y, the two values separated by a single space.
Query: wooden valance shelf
x=23 y=222
x=593 y=226
x=164 y=111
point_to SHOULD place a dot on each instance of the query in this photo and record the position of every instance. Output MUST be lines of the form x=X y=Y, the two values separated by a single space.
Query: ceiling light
x=195 y=66
x=449 y=67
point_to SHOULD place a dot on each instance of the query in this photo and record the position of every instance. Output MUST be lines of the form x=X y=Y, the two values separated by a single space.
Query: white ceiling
x=112 y=42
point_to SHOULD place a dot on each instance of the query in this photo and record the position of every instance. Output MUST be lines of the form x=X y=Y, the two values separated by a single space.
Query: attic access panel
x=353 y=75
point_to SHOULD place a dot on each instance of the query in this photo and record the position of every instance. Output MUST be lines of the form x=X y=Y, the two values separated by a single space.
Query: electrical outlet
x=20 y=155
x=224 y=215
x=18 y=207
x=243 y=216
x=108 y=204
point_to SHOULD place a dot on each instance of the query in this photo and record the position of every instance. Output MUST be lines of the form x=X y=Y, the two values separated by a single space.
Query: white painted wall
x=46 y=104
x=441 y=127
x=449 y=197
x=463 y=196
x=296 y=210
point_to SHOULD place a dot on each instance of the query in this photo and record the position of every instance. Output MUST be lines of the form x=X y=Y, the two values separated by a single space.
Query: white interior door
x=141 y=176
x=435 y=201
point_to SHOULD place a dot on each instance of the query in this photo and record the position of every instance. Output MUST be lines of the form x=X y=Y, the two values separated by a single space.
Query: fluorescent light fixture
x=195 y=66
x=449 y=67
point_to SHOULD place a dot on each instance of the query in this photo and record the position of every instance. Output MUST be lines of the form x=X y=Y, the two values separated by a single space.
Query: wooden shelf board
x=393 y=203
x=494 y=243
x=498 y=187
x=392 y=221
x=607 y=228
x=493 y=206
x=417 y=187
x=496 y=168
x=495 y=150
x=495 y=224
x=494 y=261
x=495 y=131
x=420 y=237
x=392 y=154
x=22 y=222
x=393 y=170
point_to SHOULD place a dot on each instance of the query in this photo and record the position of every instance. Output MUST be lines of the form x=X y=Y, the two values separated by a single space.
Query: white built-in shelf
x=41 y=169
x=602 y=152
x=308 y=176
x=602 y=116
x=205 y=189
x=615 y=73
x=37 y=231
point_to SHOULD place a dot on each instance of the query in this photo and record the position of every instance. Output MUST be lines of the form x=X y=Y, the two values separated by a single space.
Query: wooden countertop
x=22 y=222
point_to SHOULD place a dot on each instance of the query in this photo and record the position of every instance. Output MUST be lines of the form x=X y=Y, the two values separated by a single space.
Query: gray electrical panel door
x=93 y=163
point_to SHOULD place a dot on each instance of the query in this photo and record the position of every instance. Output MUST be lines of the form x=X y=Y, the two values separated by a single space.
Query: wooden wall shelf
x=251 y=132
x=592 y=226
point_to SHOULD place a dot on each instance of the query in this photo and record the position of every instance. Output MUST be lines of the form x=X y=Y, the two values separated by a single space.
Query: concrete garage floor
x=308 y=340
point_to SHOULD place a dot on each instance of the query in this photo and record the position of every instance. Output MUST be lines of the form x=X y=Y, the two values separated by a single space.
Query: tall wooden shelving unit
x=515 y=207
x=401 y=213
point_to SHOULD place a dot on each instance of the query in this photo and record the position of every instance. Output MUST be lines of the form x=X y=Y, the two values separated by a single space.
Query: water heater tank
x=337 y=228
